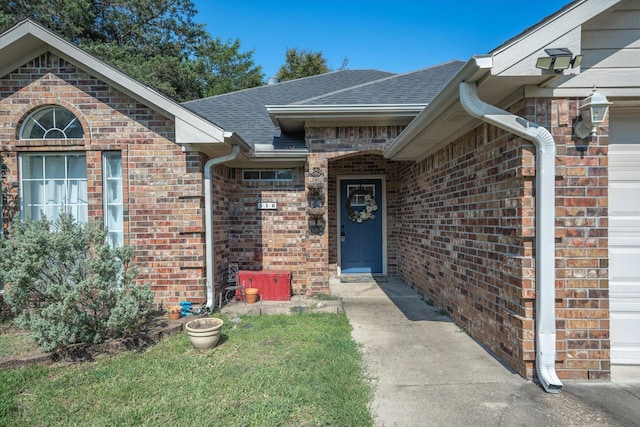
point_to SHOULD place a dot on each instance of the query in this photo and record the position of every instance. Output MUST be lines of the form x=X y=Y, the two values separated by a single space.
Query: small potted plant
x=174 y=312
x=251 y=295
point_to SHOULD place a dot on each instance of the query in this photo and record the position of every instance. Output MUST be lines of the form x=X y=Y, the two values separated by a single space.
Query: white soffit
x=293 y=117
x=517 y=57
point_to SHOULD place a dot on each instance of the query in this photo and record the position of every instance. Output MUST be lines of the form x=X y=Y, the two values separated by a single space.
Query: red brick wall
x=468 y=237
x=353 y=150
x=280 y=239
x=582 y=264
x=463 y=243
x=162 y=184
x=269 y=239
x=221 y=179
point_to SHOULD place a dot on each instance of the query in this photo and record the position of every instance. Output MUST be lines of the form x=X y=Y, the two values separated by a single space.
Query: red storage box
x=274 y=285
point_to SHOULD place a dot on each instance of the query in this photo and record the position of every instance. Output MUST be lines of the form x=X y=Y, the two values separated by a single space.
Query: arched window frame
x=51 y=122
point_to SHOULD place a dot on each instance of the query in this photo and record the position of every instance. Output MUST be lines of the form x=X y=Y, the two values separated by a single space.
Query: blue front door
x=361 y=225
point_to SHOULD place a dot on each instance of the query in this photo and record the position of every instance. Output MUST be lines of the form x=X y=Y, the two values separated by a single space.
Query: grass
x=325 y=297
x=14 y=341
x=276 y=370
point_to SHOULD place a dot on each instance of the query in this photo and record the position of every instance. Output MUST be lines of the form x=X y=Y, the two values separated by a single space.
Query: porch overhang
x=294 y=118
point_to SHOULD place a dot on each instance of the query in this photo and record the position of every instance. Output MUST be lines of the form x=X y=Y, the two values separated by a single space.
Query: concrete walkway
x=427 y=372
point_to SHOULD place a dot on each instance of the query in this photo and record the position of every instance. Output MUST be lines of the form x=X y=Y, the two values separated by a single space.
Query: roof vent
x=273 y=81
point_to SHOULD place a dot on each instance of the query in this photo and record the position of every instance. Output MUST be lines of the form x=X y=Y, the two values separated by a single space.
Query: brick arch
x=22 y=114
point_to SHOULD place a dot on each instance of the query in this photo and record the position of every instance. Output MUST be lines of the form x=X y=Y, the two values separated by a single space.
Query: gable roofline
x=559 y=30
x=28 y=39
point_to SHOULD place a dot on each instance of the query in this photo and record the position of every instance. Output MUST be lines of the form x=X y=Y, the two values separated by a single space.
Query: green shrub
x=67 y=285
x=5 y=311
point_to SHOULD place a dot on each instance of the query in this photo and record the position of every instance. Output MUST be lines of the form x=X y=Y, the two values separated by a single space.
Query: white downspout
x=208 y=219
x=545 y=224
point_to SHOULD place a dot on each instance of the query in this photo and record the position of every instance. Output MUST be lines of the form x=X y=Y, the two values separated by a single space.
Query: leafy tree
x=155 y=41
x=67 y=285
x=302 y=63
x=226 y=69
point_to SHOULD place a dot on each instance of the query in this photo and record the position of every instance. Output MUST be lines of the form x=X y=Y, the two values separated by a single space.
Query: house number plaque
x=268 y=206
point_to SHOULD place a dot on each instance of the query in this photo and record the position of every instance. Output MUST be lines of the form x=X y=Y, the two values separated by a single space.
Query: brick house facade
x=113 y=122
x=456 y=193
x=470 y=209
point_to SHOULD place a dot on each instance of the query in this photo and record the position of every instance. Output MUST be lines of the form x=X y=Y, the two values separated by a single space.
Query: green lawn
x=14 y=341
x=277 y=370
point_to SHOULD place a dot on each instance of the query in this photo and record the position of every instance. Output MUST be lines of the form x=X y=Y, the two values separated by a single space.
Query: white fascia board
x=190 y=131
x=201 y=129
x=15 y=33
x=472 y=71
x=342 y=111
x=562 y=30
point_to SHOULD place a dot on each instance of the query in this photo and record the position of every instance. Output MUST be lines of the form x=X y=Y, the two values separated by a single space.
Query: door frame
x=383 y=203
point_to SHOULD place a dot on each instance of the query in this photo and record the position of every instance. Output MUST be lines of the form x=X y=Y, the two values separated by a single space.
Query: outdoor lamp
x=559 y=59
x=592 y=113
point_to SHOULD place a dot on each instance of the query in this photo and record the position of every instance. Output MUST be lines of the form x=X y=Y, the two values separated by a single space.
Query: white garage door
x=624 y=236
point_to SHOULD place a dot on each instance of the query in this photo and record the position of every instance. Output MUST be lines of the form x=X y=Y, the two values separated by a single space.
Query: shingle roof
x=416 y=87
x=244 y=111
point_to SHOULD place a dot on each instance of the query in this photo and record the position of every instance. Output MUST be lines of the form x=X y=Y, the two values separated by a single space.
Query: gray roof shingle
x=244 y=111
x=416 y=87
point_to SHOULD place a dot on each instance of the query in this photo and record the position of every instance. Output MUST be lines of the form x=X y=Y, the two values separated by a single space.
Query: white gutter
x=545 y=224
x=208 y=219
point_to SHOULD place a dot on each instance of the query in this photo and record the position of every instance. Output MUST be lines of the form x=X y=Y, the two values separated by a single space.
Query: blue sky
x=390 y=35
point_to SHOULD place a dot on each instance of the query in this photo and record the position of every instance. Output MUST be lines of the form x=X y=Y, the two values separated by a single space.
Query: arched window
x=51 y=122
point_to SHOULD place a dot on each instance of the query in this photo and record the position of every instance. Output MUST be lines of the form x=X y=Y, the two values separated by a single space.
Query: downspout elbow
x=545 y=224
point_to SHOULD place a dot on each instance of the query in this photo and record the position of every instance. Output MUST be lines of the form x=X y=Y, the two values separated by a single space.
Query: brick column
x=317 y=256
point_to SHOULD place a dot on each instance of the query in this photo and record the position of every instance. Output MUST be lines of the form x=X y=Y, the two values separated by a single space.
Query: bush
x=5 y=311
x=67 y=285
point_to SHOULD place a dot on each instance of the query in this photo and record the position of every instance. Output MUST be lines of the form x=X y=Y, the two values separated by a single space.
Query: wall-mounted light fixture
x=592 y=113
x=559 y=59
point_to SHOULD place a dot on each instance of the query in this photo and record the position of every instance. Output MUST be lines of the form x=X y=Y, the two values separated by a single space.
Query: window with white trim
x=53 y=183
x=359 y=199
x=113 y=200
x=267 y=175
x=51 y=122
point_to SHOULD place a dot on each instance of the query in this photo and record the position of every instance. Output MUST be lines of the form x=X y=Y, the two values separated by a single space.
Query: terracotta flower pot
x=174 y=312
x=205 y=332
x=251 y=295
